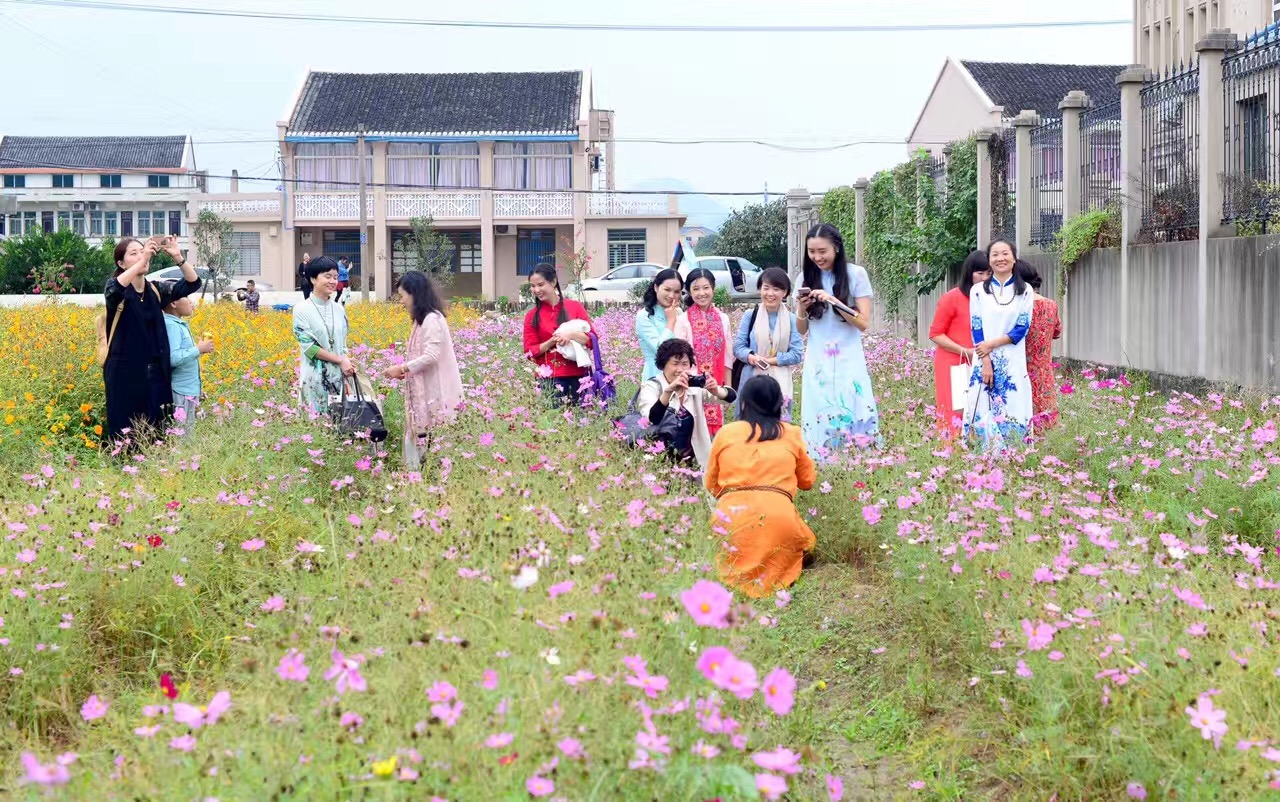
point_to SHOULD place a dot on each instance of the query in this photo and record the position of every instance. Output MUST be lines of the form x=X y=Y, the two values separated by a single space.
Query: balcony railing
x=330 y=206
x=616 y=205
x=511 y=205
x=234 y=208
x=436 y=205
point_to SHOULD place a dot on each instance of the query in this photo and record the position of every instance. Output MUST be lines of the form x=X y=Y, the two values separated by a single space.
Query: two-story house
x=102 y=187
x=514 y=168
x=1165 y=32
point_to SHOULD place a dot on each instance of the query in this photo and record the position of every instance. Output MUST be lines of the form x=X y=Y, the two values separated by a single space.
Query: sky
x=228 y=81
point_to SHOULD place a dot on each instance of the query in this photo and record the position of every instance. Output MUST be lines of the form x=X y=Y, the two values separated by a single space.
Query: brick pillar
x=982 y=142
x=1022 y=124
x=1072 y=162
x=1209 y=52
x=860 y=220
x=797 y=220
x=1132 y=193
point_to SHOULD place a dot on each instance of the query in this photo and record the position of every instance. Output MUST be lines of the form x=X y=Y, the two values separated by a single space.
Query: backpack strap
x=115 y=321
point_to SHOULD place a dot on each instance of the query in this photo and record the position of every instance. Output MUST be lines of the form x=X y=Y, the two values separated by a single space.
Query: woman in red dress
x=1046 y=326
x=952 y=333
x=560 y=378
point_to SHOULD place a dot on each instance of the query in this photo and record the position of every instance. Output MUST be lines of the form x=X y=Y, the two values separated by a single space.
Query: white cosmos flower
x=527 y=578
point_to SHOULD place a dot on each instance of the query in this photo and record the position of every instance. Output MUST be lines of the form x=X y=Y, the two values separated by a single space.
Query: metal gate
x=338 y=244
x=534 y=246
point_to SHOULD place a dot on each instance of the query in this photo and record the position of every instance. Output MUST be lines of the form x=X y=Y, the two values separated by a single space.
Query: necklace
x=328 y=324
x=996 y=294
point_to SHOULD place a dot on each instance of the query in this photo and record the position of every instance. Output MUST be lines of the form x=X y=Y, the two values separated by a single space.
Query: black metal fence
x=1002 y=151
x=1100 y=156
x=937 y=167
x=1046 y=182
x=1170 y=153
x=1251 y=163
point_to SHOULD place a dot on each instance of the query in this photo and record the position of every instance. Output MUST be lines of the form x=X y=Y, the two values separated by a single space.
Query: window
x=533 y=247
x=622 y=273
x=64 y=221
x=626 y=245
x=466 y=252
x=46 y=222
x=15 y=181
x=532 y=165
x=112 y=220
x=330 y=165
x=1253 y=137
x=152 y=224
x=158 y=181
x=77 y=223
x=64 y=181
x=175 y=224
x=248 y=248
x=126 y=224
x=95 y=224
x=714 y=265
x=1275 y=11
x=646 y=271
x=110 y=181
x=450 y=164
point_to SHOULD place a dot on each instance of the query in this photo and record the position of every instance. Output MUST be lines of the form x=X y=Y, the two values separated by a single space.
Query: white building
x=1165 y=32
x=100 y=187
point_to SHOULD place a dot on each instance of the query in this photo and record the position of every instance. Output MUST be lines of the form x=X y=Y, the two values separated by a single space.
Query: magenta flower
x=1136 y=791
x=293 y=667
x=197 y=717
x=1211 y=721
x=560 y=589
x=55 y=773
x=708 y=603
x=447 y=713
x=710 y=661
x=871 y=515
x=835 y=788
x=738 y=677
x=253 y=544
x=93 y=708
x=572 y=748
x=441 y=691
x=490 y=680
x=771 y=786
x=780 y=759
x=1038 y=636
x=499 y=740
x=183 y=743
x=539 y=786
x=779 y=689
x=346 y=670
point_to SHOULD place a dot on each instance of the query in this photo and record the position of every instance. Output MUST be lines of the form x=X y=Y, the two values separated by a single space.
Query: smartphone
x=803 y=292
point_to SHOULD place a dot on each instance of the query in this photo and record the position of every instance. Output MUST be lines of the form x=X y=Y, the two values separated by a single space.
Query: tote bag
x=960 y=384
x=359 y=412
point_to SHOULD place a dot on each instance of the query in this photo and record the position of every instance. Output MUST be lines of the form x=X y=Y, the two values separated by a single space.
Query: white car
x=617 y=283
x=740 y=277
x=224 y=284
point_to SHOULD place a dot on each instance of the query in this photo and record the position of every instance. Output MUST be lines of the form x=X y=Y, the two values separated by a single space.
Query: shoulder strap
x=751 y=324
x=155 y=291
x=115 y=321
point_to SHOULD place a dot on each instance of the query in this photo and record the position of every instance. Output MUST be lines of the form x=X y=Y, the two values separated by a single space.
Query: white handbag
x=960 y=375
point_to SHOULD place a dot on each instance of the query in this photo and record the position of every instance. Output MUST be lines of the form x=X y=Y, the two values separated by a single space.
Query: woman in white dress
x=998 y=408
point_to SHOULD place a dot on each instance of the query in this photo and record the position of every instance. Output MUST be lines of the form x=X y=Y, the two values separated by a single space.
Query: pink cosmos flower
x=1067 y=389
x=779 y=689
x=27 y=556
x=253 y=544
x=782 y=599
x=737 y=677
x=307 y=547
x=705 y=750
x=1211 y=721
x=441 y=691
x=93 y=708
x=1038 y=636
x=1023 y=670
x=347 y=672
x=708 y=603
x=711 y=659
x=539 y=786
x=447 y=713
x=196 y=717
x=490 y=681
x=55 y=773
x=499 y=740
x=293 y=667
x=183 y=743
x=835 y=788
x=771 y=786
x=780 y=759
x=871 y=514
x=1136 y=791
x=560 y=589
x=146 y=732
x=572 y=748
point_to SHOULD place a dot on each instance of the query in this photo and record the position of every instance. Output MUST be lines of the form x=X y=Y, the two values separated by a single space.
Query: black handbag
x=735 y=373
x=352 y=414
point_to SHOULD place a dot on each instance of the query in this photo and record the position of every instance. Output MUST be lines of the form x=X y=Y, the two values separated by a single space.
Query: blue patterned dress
x=837 y=407
x=998 y=417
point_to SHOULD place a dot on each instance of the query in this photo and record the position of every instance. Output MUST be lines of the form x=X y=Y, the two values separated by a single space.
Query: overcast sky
x=115 y=72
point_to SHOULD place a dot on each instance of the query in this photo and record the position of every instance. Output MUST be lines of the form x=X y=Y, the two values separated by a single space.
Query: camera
x=698 y=381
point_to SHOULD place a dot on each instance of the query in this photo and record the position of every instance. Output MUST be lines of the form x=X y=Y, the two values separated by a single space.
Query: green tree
x=756 y=232
x=19 y=256
x=425 y=248
x=212 y=235
x=709 y=245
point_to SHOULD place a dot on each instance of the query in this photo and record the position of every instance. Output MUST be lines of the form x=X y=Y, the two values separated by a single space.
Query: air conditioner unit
x=77 y=207
x=504 y=230
x=93 y=207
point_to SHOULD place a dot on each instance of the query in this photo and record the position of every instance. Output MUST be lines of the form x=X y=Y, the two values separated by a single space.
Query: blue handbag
x=602 y=384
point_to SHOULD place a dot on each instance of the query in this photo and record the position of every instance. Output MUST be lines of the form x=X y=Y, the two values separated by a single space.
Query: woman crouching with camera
x=675 y=402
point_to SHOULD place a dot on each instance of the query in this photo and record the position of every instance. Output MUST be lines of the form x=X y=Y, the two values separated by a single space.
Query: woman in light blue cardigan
x=656 y=323
x=768 y=343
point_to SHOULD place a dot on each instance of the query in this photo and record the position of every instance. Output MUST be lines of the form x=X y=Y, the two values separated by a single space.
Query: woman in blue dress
x=656 y=322
x=837 y=407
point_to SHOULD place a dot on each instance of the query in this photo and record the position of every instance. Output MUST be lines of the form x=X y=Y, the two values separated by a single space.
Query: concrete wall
x=661 y=236
x=1244 y=301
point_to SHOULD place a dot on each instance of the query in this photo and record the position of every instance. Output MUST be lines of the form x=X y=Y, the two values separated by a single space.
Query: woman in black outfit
x=136 y=371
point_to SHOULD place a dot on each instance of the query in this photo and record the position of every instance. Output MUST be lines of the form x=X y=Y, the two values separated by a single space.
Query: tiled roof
x=463 y=104
x=1042 y=86
x=92 y=152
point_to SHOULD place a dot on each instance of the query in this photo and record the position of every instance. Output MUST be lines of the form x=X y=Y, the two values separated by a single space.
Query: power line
x=105 y=5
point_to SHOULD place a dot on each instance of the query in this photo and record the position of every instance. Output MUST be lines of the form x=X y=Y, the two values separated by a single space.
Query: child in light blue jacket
x=184 y=360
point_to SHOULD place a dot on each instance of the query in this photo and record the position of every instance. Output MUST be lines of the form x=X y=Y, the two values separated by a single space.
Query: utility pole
x=366 y=264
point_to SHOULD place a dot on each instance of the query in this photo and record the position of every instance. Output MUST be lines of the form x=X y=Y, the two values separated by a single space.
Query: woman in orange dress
x=756 y=466
x=951 y=332
x=1046 y=326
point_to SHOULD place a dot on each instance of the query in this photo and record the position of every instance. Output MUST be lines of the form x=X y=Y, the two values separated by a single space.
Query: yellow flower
x=384 y=768
x=85 y=408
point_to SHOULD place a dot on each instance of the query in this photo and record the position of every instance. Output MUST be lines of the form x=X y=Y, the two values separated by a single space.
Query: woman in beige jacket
x=433 y=386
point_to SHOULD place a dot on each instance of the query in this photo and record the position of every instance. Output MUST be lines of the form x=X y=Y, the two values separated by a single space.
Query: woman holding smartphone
x=837 y=406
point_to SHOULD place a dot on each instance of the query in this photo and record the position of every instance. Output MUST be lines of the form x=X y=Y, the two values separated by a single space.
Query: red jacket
x=548 y=322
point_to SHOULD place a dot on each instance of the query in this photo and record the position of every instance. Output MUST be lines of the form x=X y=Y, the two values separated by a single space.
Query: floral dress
x=707 y=336
x=1000 y=416
x=837 y=407
x=319 y=325
x=1046 y=326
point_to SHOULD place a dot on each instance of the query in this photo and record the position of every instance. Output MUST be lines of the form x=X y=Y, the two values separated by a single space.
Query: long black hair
x=975 y=262
x=1028 y=273
x=422 y=290
x=761 y=400
x=651 y=294
x=549 y=275
x=813 y=274
x=694 y=275
x=1019 y=286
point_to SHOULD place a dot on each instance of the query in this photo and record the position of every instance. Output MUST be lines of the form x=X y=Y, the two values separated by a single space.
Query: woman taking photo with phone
x=707 y=330
x=136 y=370
x=768 y=342
x=953 y=336
x=998 y=408
x=560 y=378
x=838 y=408
x=656 y=322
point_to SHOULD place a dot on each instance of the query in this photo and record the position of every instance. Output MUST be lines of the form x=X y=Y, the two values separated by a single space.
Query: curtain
x=408 y=165
x=550 y=165
x=459 y=164
x=508 y=172
x=330 y=166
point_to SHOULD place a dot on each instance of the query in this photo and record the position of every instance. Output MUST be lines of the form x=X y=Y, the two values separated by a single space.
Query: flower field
x=265 y=612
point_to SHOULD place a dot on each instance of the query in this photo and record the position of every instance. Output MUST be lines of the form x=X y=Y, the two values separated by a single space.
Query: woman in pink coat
x=433 y=387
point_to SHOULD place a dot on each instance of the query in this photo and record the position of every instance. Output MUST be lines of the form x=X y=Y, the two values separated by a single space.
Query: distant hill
x=702 y=210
